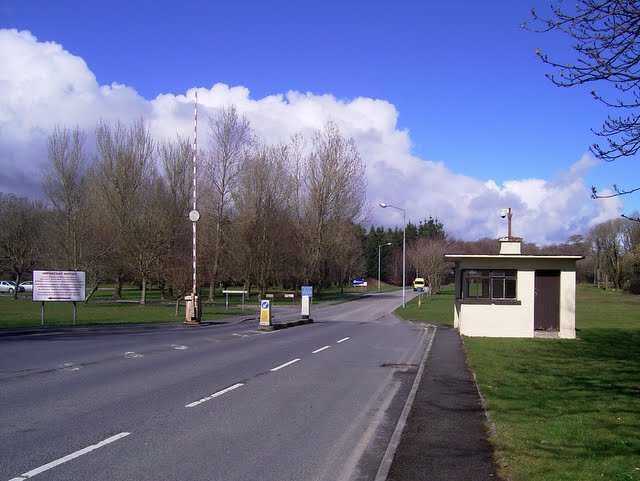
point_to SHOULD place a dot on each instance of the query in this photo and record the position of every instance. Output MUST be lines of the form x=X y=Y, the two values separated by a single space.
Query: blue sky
x=466 y=89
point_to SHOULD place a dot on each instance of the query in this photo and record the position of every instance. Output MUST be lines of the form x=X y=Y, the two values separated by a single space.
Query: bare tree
x=124 y=167
x=231 y=138
x=347 y=260
x=607 y=48
x=427 y=256
x=65 y=187
x=176 y=158
x=152 y=234
x=21 y=235
x=335 y=192
x=262 y=224
x=605 y=241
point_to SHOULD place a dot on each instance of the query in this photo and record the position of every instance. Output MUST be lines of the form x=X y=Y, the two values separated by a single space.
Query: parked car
x=8 y=287
x=27 y=286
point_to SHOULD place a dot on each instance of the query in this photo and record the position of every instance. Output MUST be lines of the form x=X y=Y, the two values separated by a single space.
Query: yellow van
x=418 y=282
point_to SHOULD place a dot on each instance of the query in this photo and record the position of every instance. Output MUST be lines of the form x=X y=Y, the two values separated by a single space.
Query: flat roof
x=455 y=257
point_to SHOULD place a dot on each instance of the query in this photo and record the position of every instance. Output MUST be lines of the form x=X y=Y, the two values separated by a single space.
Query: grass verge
x=437 y=309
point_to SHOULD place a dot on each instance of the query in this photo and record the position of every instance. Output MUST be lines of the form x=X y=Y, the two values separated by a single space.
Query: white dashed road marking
x=178 y=347
x=132 y=355
x=284 y=365
x=69 y=457
x=236 y=386
x=214 y=395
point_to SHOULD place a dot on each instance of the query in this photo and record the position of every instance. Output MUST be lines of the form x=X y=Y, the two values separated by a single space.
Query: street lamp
x=404 y=228
x=386 y=244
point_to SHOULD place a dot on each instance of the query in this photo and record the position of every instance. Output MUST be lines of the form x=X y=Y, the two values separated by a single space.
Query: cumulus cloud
x=43 y=85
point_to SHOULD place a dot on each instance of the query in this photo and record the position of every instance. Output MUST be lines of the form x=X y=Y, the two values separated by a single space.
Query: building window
x=489 y=284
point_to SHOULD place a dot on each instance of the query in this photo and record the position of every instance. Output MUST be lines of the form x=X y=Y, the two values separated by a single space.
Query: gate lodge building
x=515 y=295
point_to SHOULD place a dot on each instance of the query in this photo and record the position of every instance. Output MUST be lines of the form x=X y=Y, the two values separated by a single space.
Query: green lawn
x=566 y=409
x=26 y=313
x=437 y=309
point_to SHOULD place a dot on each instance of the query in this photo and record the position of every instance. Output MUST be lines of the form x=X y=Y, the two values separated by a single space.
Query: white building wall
x=568 y=304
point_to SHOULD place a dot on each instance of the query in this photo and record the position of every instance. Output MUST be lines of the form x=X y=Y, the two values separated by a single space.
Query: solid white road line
x=284 y=365
x=320 y=350
x=69 y=457
x=344 y=339
x=214 y=395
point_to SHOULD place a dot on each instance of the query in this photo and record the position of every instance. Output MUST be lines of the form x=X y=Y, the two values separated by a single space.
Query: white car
x=27 y=286
x=8 y=286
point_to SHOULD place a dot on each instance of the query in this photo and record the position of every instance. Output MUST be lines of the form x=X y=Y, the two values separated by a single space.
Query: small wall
x=484 y=320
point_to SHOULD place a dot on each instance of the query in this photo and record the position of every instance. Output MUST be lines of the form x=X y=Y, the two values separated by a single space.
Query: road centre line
x=344 y=339
x=214 y=395
x=235 y=386
x=284 y=365
x=69 y=457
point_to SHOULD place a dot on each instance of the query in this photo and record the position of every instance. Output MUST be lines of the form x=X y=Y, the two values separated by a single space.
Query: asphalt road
x=215 y=402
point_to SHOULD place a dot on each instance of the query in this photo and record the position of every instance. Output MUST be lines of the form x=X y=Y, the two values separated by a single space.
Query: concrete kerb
x=285 y=325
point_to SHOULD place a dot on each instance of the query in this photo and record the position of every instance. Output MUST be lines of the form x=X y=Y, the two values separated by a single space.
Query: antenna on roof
x=508 y=214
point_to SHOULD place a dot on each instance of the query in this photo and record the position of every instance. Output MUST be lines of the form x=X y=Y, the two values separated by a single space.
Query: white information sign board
x=67 y=286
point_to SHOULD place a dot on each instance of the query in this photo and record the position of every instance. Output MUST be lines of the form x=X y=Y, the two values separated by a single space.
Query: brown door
x=547 y=301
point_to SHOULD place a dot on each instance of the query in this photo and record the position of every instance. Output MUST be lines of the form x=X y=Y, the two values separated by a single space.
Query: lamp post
x=404 y=237
x=385 y=244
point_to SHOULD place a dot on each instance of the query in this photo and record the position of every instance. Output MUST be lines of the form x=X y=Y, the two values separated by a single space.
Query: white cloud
x=43 y=85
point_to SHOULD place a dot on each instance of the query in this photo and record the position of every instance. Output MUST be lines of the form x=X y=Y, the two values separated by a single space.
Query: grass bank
x=567 y=409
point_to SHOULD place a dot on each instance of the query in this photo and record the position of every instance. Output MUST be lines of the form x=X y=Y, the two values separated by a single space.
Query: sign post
x=359 y=282
x=265 y=313
x=307 y=294
x=58 y=286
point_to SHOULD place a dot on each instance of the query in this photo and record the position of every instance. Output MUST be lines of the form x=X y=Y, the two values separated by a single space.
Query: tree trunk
x=117 y=289
x=17 y=281
x=143 y=292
